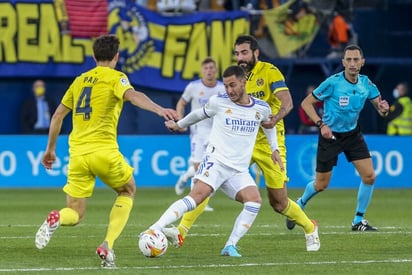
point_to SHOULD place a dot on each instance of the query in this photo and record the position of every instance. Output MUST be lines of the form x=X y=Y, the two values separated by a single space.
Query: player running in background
x=344 y=94
x=236 y=120
x=197 y=93
x=95 y=99
x=267 y=83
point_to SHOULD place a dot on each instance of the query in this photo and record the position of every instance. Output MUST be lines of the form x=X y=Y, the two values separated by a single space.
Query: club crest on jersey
x=260 y=82
x=206 y=174
x=228 y=111
x=258 y=116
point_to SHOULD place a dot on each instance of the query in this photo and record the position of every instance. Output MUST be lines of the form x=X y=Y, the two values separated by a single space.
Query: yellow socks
x=68 y=216
x=118 y=218
x=190 y=217
x=296 y=214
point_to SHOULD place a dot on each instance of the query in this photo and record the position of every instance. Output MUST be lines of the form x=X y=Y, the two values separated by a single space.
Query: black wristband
x=319 y=123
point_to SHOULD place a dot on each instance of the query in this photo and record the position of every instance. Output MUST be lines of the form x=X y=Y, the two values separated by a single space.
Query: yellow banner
x=290 y=29
x=156 y=51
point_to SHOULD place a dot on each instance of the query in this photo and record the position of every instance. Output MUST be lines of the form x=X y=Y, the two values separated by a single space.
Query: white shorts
x=219 y=176
x=198 y=144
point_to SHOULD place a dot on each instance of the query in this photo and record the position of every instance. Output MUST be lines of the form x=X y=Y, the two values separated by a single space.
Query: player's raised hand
x=48 y=158
x=383 y=106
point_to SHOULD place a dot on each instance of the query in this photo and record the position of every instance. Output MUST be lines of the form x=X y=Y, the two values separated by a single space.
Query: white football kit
x=198 y=94
x=231 y=141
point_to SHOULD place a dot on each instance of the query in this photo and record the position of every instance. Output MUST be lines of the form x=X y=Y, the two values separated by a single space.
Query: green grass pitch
x=268 y=247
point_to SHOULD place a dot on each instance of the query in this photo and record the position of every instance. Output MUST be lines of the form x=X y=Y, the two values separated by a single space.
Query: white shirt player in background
x=237 y=118
x=197 y=93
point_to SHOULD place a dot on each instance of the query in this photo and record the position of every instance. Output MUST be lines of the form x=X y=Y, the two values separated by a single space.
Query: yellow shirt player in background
x=267 y=83
x=95 y=99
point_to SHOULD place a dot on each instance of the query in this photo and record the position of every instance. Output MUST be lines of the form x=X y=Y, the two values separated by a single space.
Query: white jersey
x=198 y=94
x=234 y=129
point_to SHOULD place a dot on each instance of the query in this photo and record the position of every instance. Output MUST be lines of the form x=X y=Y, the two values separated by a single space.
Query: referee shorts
x=351 y=143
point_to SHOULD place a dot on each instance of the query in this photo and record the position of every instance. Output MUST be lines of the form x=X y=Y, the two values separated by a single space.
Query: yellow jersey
x=263 y=82
x=96 y=100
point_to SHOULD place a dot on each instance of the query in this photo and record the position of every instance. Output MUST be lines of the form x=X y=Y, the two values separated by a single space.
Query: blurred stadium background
x=383 y=27
x=161 y=52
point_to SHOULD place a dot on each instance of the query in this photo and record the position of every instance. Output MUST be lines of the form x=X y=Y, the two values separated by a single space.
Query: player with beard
x=267 y=83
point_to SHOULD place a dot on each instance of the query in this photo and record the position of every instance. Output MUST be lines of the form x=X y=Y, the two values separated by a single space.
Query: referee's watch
x=319 y=123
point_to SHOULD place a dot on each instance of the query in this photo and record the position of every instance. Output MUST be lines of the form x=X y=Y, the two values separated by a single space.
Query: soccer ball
x=153 y=243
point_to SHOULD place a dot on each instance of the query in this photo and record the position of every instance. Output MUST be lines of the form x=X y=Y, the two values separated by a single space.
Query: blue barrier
x=159 y=160
x=391 y=158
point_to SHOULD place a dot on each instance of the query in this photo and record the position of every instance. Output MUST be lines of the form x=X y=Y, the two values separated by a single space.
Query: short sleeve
x=324 y=90
x=373 y=90
x=67 y=100
x=266 y=114
x=211 y=106
x=121 y=85
x=187 y=93
x=277 y=80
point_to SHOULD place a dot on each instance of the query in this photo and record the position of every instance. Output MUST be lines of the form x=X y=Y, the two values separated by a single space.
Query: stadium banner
x=292 y=25
x=159 y=160
x=157 y=51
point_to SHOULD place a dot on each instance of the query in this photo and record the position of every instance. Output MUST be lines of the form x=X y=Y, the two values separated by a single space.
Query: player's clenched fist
x=48 y=158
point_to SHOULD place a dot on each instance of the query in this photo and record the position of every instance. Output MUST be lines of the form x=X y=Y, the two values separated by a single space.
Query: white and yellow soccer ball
x=153 y=243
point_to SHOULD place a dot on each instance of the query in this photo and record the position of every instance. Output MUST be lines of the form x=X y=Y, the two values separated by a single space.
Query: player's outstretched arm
x=190 y=119
x=142 y=101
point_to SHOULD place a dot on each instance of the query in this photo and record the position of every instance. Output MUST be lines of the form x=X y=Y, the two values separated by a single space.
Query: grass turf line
x=268 y=248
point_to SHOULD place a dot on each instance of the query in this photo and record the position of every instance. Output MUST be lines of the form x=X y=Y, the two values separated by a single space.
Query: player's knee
x=250 y=193
x=129 y=189
x=257 y=199
x=129 y=192
x=278 y=206
x=369 y=179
